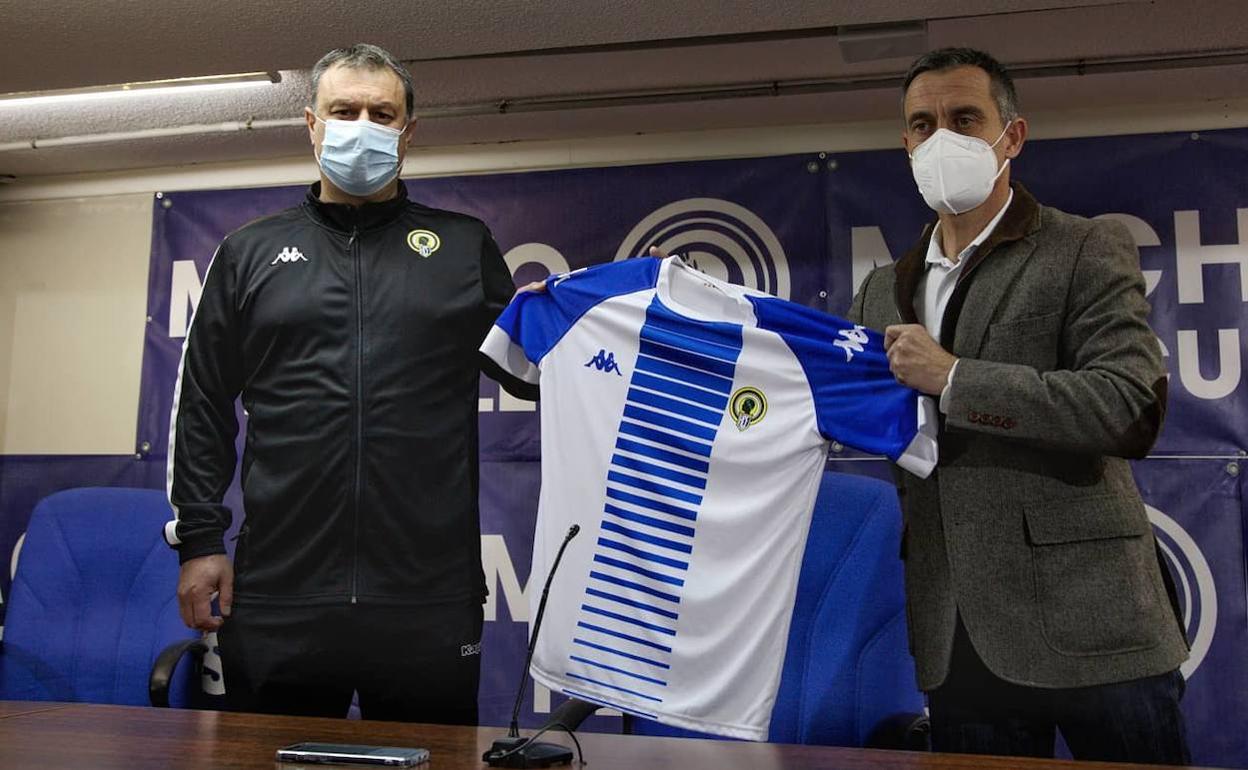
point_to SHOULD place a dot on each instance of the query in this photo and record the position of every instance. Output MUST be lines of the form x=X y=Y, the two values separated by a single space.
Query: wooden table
x=50 y=736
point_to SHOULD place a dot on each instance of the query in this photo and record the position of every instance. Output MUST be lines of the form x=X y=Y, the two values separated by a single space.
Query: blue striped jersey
x=685 y=426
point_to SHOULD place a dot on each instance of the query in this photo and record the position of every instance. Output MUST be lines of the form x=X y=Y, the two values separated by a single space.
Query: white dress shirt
x=936 y=286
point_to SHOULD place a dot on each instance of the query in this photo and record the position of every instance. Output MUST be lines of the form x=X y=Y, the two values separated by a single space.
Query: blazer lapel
x=908 y=272
x=988 y=275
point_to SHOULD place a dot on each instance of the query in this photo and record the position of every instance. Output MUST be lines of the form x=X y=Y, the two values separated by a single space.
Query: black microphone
x=514 y=751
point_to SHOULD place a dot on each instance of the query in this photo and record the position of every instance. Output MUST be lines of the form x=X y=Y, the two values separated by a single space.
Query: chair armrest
x=166 y=662
x=904 y=732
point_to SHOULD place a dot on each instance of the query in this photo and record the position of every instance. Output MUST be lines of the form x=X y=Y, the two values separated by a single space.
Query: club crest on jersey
x=424 y=242
x=748 y=406
x=605 y=362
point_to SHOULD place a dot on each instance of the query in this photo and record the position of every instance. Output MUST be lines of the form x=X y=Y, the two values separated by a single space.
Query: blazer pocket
x=1030 y=326
x=1093 y=581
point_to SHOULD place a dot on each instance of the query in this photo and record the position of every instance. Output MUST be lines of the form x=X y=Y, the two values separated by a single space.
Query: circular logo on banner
x=1194 y=581
x=748 y=406
x=423 y=242
x=724 y=240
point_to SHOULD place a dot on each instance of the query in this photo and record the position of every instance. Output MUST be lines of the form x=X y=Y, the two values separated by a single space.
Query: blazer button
x=1009 y=423
x=997 y=420
x=973 y=416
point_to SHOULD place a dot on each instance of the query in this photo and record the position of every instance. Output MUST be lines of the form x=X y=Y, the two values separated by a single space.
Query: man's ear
x=1015 y=136
x=409 y=131
x=310 y=117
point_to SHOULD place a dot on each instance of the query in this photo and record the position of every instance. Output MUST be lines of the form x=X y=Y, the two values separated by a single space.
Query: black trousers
x=409 y=664
x=975 y=712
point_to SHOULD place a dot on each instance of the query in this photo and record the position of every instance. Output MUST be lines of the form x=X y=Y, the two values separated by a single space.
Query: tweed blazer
x=1032 y=528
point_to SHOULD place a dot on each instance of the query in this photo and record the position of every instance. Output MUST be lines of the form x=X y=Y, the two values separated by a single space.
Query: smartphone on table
x=352 y=754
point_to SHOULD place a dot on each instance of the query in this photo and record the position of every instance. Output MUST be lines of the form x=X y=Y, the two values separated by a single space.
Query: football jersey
x=685 y=425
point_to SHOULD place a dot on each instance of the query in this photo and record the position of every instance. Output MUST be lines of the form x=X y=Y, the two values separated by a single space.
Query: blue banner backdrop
x=807 y=228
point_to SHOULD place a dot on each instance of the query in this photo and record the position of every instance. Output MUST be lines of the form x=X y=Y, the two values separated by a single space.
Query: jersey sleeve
x=858 y=402
x=534 y=322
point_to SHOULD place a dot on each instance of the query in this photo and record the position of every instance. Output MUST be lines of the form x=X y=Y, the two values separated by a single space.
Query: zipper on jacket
x=352 y=248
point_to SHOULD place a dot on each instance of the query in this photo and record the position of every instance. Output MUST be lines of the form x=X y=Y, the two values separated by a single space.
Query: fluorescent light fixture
x=145 y=88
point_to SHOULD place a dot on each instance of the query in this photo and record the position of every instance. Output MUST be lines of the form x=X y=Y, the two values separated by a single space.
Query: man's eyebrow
x=919 y=115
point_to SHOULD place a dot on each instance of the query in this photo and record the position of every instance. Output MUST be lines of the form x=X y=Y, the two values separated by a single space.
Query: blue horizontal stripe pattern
x=627 y=619
x=650 y=469
x=674 y=424
x=675 y=339
x=614 y=687
x=621 y=653
x=643 y=537
x=631 y=603
x=687 y=358
x=658 y=453
x=640 y=554
x=612 y=579
x=656 y=401
x=654 y=505
x=655 y=487
x=662 y=437
x=662 y=490
x=684 y=374
x=680 y=390
x=659 y=576
x=613 y=669
x=649 y=521
x=625 y=637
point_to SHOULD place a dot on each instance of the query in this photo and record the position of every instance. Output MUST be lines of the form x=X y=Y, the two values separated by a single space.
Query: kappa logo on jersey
x=748 y=406
x=424 y=242
x=289 y=254
x=605 y=362
x=855 y=338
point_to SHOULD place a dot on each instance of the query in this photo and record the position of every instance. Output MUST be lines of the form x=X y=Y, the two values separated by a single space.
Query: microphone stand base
x=532 y=755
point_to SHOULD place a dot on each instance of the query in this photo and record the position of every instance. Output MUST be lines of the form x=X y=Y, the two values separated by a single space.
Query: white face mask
x=956 y=173
x=359 y=156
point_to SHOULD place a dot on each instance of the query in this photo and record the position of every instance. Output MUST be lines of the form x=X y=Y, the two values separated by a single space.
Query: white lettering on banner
x=501 y=573
x=1229 y=356
x=1192 y=256
x=185 y=290
x=867 y=251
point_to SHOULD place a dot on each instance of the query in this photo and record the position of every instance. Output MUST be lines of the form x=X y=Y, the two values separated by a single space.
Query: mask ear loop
x=997 y=175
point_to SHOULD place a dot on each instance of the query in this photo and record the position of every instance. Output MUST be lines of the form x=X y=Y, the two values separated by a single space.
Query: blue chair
x=93 y=608
x=848 y=677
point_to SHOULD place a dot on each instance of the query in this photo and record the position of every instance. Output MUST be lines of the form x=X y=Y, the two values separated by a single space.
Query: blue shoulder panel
x=858 y=402
x=538 y=320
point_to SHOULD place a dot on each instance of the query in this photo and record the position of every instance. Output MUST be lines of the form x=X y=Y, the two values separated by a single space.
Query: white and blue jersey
x=685 y=426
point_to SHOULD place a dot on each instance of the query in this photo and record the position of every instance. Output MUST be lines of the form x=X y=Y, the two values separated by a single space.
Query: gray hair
x=364 y=56
x=1001 y=83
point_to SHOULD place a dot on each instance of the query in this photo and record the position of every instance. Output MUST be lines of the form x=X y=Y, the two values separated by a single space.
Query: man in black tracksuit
x=349 y=325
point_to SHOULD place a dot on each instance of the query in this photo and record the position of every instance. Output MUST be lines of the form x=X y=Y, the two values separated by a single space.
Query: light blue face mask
x=359 y=156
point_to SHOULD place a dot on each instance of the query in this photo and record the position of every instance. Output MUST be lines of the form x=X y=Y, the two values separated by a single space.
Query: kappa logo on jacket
x=289 y=254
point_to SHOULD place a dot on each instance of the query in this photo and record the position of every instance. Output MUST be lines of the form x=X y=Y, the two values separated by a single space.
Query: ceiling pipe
x=664 y=96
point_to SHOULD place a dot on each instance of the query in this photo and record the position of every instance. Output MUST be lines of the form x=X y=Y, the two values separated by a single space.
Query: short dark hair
x=1001 y=83
x=364 y=56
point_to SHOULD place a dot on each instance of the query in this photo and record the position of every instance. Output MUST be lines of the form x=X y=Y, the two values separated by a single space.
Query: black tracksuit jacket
x=353 y=344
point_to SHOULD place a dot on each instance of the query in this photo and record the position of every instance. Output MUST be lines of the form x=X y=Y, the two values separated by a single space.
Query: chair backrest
x=93 y=601
x=847 y=666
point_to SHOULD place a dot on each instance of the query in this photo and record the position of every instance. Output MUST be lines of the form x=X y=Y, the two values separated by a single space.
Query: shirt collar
x=936 y=253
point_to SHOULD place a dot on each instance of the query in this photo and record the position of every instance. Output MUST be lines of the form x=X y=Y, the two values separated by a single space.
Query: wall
x=74 y=251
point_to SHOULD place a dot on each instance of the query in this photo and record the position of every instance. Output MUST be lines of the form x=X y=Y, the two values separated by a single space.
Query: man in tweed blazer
x=1034 y=594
